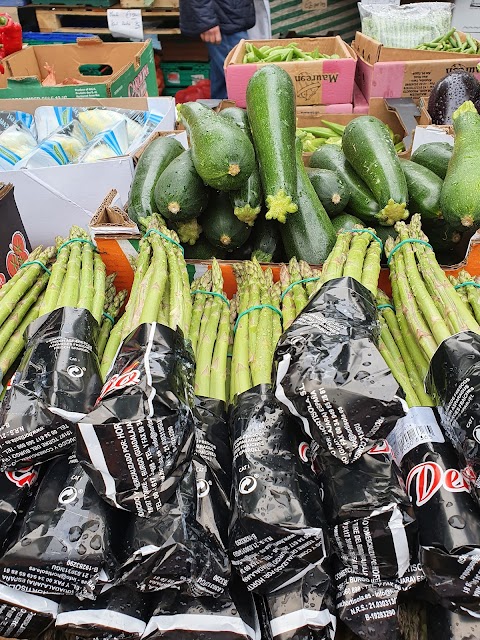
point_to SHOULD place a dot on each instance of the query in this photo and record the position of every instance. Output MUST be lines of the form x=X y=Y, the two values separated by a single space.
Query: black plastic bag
x=443 y=624
x=303 y=610
x=213 y=468
x=56 y=384
x=64 y=544
x=15 y=488
x=138 y=441
x=330 y=375
x=454 y=380
x=172 y=549
x=373 y=526
x=369 y=607
x=447 y=515
x=119 y=613
x=23 y=615
x=232 y=616
x=278 y=530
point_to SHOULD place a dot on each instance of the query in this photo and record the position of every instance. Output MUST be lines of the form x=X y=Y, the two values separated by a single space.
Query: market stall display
x=281 y=445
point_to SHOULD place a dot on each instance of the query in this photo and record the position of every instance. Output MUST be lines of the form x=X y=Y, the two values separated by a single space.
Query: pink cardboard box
x=360 y=103
x=316 y=82
x=387 y=72
x=320 y=109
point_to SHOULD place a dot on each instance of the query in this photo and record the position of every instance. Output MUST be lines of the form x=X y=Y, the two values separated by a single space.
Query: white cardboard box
x=466 y=17
x=52 y=199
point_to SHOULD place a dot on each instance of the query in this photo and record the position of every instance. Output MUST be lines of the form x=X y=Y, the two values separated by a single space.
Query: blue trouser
x=218 y=53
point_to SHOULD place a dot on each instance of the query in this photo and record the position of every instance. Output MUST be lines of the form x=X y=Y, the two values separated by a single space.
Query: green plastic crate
x=184 y=74
x=171 y=91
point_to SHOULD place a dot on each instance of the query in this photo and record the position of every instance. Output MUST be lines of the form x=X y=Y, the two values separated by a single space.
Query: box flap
x=110 y=219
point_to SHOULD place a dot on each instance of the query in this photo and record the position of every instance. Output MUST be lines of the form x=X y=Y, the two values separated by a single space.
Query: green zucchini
x=153 y=161
x=435 y=156
x=203 y=250
x=244 y=252
x=221 y=152
x=267 y=241
x=460 y=199
x=188 y=231
x=361 y=202
x=247 y=201
x=271 y=113
x=331 y=189
x=424 y=189
x=307 y=234
x=221 y=226
x=345 y=222
x=180 y=194
x=384 y=233
x=368 y=147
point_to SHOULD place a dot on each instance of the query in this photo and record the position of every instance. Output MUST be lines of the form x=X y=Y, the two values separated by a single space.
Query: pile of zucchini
x=241 y=190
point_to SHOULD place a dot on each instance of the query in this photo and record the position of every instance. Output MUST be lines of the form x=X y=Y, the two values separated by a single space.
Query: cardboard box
x=387 y=72
x=317 y=82
x=377 y=108
x=14 y=242
x=131 y=67
x=360 y=103
x=52 y=199
x=322 y=109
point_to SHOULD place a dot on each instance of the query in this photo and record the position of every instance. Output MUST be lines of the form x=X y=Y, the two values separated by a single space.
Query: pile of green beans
x=452 y=43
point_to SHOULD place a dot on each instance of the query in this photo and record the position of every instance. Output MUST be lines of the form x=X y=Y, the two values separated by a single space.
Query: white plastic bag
x=408 y=25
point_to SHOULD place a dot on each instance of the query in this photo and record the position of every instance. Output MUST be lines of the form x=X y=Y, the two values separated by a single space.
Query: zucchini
x=244 y=252
x=345 y=222
x=221 y=226
x=221 y=152
x=203 y=250
x=460 y=199
x=368 y=147
x=267 y=241
x=307 y=234
x=271 y=113
x=247 y=201
x=180 y=194
x=361 y=202
x=435 y=156
x=188 y=231
x=424 y=189
x=331 y=189
x=153 y=161
x=384 y=233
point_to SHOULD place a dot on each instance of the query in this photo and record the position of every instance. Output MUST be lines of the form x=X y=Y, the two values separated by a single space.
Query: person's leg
x=218 y=53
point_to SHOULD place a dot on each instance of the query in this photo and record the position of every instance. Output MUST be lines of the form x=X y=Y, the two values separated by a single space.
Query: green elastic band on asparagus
x=467 y=284
x=84 y=240
x=229 y=355
x=374 y=235
x=212 y=293
x=407 y=241
x=386 y=306
x=109 y=317
x=293 y=284
x=29 y=262
x=254 y=308
x=162 y=235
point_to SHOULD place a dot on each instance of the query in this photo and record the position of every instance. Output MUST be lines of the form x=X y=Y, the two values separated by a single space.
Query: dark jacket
x=232 y=16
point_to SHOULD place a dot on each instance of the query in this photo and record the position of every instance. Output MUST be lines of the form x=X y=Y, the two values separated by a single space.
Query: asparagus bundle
x=257 y=329
x=357 y=254
x=160 y=290
x=209 y=333
x=78 y=276
x=20 y=303
x=401 y=353
x=299 y=282
x=110 y=312
x=468 y=288
x=429 y=307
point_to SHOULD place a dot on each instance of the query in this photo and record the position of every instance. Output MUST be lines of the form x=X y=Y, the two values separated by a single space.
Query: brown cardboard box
x=377 y=108
x=387 y=72
x=130 y=65
x=324 y=81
